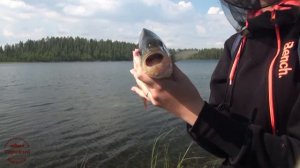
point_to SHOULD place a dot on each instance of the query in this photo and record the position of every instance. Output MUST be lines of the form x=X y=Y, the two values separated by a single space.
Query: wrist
x=190 y=115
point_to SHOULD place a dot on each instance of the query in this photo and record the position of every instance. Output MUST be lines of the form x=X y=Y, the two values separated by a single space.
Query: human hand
x=176 y=94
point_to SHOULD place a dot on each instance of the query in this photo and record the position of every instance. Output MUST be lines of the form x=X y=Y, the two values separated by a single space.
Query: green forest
x=211 y=53
x=57 y=49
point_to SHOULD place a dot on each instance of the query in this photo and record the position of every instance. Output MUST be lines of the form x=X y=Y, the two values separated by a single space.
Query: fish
x=156 y=60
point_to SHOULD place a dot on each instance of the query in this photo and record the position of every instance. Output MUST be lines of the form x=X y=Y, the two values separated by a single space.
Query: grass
x=183 y=158
x=154 y=154
x=161 y=156
x=166 y=152
x=83 y=162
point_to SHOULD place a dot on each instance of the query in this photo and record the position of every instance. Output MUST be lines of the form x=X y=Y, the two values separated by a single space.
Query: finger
x=141 y=76
x=136 y=52
x=140 y=92
x=136 y=59
x=145 y=97
x=142 y=95
x=142 y=86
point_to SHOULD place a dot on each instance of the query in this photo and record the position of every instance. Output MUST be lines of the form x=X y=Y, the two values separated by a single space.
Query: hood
x=251 y=4
x=259 y=12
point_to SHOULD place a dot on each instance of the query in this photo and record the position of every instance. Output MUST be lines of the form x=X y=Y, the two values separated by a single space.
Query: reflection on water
x=84 y=114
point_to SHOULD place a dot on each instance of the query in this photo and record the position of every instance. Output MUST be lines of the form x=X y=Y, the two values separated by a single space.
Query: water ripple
x=39 y=105
x=75 y=114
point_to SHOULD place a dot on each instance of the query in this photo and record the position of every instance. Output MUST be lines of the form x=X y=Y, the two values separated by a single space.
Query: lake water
x=84 y=115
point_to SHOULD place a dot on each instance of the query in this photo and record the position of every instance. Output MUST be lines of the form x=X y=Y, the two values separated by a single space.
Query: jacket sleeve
x=220 y=80
x=248 y=145
x=244 y=144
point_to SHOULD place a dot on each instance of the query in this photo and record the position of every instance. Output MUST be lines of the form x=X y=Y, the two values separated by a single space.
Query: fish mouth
x=154 y=59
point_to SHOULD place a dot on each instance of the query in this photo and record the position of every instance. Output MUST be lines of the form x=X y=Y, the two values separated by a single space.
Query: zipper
x=236 y=60
x=270 y=76
x=238 y=54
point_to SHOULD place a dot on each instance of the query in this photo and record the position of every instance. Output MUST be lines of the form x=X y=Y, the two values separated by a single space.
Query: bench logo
x=284 y=65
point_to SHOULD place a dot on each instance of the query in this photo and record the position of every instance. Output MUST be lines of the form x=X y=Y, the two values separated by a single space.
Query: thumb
x=136 y=59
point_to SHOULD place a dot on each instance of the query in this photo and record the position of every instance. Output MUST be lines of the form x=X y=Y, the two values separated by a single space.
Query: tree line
x=56 y=49
x=212 y=53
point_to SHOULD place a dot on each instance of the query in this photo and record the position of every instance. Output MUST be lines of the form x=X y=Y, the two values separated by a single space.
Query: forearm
x=189 y=114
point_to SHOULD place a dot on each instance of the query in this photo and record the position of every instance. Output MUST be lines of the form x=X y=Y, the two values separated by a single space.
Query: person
x=252 y=118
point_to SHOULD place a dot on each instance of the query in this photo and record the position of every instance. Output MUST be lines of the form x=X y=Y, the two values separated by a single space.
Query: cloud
x=22 y=21
x=215 y=11
x=90 y=7
x=77 y=10
x=7 y=33
x=13 y=4
x=7 y=18
x=181 y=24
x=186 y=5
x=200 y=29
x=183 y=6
x=57 y=17
x=213 y=28
x=169 y=7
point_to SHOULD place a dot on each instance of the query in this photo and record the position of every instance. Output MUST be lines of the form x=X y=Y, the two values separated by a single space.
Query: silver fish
x=156 y=59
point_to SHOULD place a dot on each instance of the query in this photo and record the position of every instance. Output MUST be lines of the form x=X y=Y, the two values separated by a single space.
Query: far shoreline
x=10 y=62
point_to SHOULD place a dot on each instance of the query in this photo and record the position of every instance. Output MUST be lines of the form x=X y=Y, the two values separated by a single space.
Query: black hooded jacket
x=236 y=123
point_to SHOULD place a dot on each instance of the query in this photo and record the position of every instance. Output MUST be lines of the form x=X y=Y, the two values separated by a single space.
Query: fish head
x=156 y=59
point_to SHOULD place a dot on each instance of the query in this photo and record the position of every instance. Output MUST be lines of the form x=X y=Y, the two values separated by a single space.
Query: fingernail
x=136 y=52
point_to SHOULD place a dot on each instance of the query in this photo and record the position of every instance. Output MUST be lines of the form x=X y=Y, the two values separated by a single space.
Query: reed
x=161 y=156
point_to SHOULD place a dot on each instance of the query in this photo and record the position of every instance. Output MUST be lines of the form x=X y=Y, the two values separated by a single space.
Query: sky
x=179 y=23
